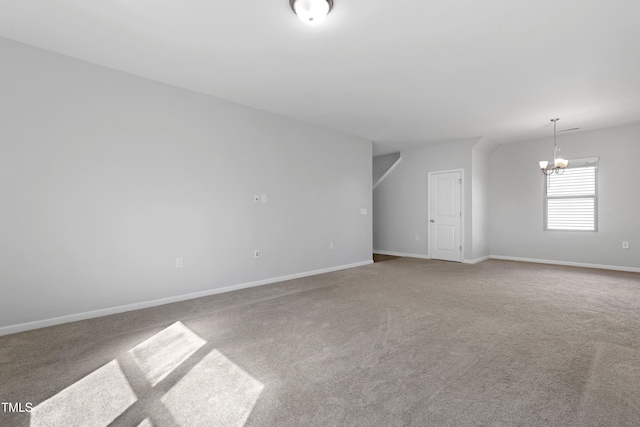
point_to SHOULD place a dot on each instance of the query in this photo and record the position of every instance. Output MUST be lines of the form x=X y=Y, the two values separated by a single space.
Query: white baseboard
x=407 y=255
x=21 y=327
x=475 y=261
x=568 y=263
x=401 y=254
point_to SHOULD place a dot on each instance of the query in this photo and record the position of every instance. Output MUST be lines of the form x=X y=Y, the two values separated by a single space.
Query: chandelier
x=559 y=164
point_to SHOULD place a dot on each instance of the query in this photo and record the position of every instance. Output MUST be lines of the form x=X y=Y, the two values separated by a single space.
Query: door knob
x=432 y=220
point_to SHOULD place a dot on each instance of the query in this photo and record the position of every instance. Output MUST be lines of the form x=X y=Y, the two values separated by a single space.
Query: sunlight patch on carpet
x=96 y=400
x=216 y=392
x=158 y=356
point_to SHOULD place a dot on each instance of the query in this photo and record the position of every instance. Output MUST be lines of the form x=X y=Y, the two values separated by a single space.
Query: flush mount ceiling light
x=311 y=11
x=559 y=164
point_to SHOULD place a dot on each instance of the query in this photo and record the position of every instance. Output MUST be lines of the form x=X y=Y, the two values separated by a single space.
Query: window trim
x=573 y=164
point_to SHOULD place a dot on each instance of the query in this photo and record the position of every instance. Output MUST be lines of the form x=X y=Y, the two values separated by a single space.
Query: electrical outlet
x=256 y=198
x=625 y=245
x=417 y=237
x=256 y=254
x=264 y=198
x=331 y=245
x=363 y=211
x=179 y=262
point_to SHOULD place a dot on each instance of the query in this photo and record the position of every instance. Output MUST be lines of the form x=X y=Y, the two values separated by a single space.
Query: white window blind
x=571 y=198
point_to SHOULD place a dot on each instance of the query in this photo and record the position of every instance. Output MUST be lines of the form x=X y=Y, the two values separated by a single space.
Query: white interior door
x=445 y=216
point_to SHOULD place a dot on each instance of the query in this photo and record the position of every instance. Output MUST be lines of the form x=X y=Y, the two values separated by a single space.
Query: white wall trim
x=568 y=263
x=21 y=327
x=401 y=254
x=391 y=168
x=408 y=255
x=475 y=261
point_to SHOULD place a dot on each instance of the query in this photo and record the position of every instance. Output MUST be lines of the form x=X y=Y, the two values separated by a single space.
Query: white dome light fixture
x=311 y=12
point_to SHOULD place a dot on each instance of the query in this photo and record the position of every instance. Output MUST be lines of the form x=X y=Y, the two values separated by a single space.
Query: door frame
x=462 y=209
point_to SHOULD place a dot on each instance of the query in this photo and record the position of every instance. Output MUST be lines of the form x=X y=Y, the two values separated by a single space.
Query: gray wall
x=516 y=191
x=106 y=178
x=479 y=204
x=400 y=202
x=381 y=165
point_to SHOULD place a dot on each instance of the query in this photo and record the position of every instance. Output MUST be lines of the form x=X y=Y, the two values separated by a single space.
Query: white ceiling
x=400 y=73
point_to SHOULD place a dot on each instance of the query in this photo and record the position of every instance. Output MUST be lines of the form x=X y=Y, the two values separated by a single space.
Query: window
x=571 y=199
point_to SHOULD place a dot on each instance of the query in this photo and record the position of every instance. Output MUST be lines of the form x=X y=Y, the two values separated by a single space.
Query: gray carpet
x=404 y=342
